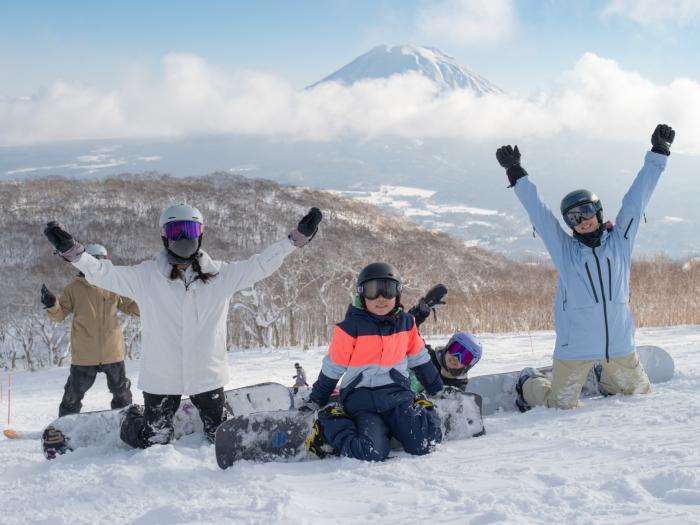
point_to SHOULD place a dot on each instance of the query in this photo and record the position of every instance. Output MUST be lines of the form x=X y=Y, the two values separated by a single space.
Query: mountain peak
x=384 y=61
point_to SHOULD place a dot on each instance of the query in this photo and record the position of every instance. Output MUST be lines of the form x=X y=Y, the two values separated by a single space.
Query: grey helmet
x=578 y=197
x=96 y=250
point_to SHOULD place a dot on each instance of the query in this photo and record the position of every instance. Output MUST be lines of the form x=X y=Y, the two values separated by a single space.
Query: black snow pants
x=153 y=424
x=81 y=378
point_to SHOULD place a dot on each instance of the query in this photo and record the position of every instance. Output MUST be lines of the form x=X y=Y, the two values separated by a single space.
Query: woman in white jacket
x=183 y=296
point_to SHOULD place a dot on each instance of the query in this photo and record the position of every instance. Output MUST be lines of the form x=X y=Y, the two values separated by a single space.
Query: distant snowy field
x=616 y=460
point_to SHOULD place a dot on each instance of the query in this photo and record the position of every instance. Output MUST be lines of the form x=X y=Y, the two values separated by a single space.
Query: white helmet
x=180 y=212
x=96 y=250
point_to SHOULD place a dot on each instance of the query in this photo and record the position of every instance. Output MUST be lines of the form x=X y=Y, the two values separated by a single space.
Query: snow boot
x=598 y=371
x=53 y=443
x=316 y=442
x=525 y=374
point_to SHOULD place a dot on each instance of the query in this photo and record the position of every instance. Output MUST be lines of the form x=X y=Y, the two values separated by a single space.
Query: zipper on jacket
x=605 y=308
x=628 y=227
x=590 y=279
x=609 y=281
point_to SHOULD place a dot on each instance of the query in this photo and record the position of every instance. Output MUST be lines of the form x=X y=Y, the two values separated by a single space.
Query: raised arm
x=545 y=222
x=123 y=280
x=637 y=197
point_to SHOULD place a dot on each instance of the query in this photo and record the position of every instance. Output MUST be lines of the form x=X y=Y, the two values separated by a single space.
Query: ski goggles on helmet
x=578 y=214
x=464 y=347
x=387 y=288
x=177 y=230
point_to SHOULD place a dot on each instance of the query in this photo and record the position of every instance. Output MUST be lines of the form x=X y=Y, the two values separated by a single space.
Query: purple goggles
x=466 y=358
x=177 y=230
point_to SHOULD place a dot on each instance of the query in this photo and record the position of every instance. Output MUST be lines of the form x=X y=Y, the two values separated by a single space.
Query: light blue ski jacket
x=592 y=315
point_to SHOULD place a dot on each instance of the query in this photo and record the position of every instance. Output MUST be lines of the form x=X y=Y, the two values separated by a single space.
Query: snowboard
x=498 y=390
x=281 y=435
x=74 y=431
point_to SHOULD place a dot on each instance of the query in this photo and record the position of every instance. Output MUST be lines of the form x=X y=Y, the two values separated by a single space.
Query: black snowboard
x=281 y=435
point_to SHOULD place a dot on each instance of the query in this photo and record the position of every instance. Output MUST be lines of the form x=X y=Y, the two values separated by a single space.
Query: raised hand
x=47 y=298
x=662 y=138
x=60 y=238
x=307 y=228
x=63 y=241
x=509 y=158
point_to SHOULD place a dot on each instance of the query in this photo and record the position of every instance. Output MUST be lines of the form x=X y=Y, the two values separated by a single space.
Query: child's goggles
x=577 y=215
x=465 y=347
x=177 y=230
x=385 y=287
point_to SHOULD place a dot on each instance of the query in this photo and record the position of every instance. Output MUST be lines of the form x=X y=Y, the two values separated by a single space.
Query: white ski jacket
x=183 y=322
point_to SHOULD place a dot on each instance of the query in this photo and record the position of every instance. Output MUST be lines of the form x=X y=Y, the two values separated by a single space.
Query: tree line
x=298 y=305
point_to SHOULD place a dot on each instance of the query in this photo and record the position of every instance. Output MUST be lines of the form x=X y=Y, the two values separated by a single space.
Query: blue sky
x=95 y=62
x=303 y=41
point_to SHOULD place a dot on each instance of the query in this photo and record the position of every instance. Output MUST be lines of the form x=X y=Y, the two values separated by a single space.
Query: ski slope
x=615 y=460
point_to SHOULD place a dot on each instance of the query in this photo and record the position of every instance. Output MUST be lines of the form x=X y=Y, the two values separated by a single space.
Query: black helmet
x=378 y=270
x=297 y=365
x=578 y=197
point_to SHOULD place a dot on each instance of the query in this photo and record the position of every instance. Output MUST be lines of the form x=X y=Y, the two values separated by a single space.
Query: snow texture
x=618 y=460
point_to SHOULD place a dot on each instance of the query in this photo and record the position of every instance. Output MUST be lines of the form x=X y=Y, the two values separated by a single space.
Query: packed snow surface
x=618 y=460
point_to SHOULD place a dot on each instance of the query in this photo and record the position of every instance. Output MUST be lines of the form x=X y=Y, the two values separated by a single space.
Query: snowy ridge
x=384 y=61
x=618 y=460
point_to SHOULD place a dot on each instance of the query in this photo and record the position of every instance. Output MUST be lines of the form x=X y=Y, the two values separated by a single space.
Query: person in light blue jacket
x=592 y=315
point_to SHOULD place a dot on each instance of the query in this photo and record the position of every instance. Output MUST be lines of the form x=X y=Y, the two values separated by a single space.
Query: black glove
x=61 y=239
x=662 y=138
x=308 y=225
x=307 y=228
x=433 y=298
x=47 y=298
x=509 y=158
x=435 y=295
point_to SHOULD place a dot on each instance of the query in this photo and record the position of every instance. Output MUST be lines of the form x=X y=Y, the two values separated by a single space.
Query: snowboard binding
x=53 y=443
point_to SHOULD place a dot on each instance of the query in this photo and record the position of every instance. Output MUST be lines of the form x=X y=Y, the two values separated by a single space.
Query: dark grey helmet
x=578 y=197
x=378 y=270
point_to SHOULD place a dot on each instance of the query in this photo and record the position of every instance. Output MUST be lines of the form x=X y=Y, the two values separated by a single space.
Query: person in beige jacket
x=97 y=343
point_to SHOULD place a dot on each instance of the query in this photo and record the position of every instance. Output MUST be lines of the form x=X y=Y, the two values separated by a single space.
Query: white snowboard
x=102 y=427
x=498 y=390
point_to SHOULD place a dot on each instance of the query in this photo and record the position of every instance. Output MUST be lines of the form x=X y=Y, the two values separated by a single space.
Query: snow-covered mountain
x=384 y=61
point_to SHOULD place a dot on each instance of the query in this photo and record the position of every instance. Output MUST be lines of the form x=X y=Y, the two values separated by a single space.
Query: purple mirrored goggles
x=177 y=230
x=465 y=347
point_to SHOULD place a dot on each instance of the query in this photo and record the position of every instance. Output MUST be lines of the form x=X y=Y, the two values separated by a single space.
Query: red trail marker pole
x=9 y=390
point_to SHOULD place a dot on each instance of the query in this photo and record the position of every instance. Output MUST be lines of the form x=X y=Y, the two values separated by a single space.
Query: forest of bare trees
x=311 y=291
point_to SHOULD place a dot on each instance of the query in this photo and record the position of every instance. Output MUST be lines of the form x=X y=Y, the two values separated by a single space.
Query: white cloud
x=466 y=22
x=191 y=97
x=654 y=12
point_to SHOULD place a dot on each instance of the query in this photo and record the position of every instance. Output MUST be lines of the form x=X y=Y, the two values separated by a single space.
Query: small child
x=372 y=350
x=458 y=356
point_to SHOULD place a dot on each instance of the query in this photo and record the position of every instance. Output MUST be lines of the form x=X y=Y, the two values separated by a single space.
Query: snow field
x=615 y=460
